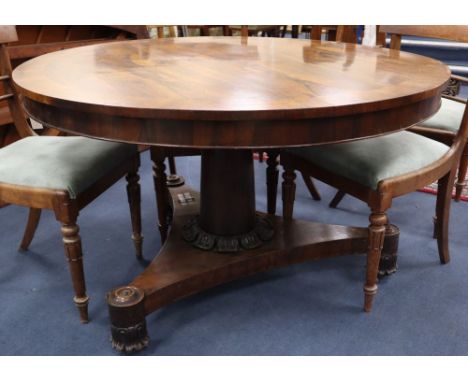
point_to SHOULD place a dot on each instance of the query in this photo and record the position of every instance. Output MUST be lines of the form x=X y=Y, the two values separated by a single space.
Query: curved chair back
x=7 y=35
x=457 y=33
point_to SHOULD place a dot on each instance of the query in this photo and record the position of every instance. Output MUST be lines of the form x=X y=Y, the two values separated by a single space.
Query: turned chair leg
x=162 y=193
x=378 y=221
x=272 y=181
x=311 y=186
x=31 y=226
x=134 y=201
x=462 y=167
x=441 y=220
x=337 y=199
x=172 y=165
x=72 y=243
x=288 y=192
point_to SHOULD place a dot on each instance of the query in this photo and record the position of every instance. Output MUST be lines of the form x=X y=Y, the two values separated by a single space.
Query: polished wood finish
x=205 y=30
x=29 y=41
x=161 y=191
x=272 y=174
x=66 y=209
x=340 y=33
x=302 y=74
x=180 y=270
x=7 y=34
x=380 y=200
x=255 y=30
x=457 y=33
x=446 y=32
x=275 y=93
x=31 y=226
x=134 y=202
x=237 y=167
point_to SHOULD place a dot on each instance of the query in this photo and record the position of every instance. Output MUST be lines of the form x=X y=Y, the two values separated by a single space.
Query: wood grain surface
x=229 y=78
x=230 y=92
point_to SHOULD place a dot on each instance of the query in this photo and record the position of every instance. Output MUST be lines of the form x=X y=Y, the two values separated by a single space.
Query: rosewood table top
x=242 y=82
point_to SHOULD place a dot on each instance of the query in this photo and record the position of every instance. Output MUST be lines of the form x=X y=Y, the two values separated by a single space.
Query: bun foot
x=127 y=315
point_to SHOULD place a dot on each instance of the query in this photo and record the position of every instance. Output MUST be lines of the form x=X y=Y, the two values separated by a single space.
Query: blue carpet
x=309 y=309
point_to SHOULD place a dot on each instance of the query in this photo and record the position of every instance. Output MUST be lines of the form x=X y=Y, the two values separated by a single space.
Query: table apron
x=233 y=134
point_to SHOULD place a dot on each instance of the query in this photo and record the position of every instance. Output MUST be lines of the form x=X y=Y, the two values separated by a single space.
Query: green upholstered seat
x=369 y=161
x=62 y=163
x=448 y=117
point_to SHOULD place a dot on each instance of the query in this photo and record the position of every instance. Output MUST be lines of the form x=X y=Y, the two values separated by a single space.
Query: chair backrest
x=344 y=33
x=8 y=34
x=20 y=44
x=458 y=33
x=160 y=30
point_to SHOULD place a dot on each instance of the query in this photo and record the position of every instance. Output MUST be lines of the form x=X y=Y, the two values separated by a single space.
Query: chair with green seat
x=444 y=125
x=376 y=170
x=63 y=174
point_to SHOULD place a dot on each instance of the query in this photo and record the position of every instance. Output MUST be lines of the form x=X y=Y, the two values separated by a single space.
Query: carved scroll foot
x=388 y=259
x=127 y=315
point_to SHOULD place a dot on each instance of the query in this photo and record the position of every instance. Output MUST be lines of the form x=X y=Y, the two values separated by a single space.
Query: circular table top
x=231 y=79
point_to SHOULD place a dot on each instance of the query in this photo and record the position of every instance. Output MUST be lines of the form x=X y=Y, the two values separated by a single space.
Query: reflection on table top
x=230 y=77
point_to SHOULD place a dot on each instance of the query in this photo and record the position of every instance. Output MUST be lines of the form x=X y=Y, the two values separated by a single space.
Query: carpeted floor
x=432 y=189
x=309 y=309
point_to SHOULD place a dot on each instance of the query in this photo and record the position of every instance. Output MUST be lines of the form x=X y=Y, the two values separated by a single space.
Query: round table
x=227 y=96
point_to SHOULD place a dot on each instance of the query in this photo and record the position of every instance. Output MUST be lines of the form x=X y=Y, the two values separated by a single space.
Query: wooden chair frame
x=341 y=33
x=457 y=33
x=380 y=200
x=66 y=210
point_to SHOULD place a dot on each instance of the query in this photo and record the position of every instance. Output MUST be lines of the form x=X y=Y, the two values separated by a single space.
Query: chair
x=63 y=174
x=205 y=30
x=444 y=125
x=408 y=161
x=39 y=39
x=254 y=30
x=342 y=33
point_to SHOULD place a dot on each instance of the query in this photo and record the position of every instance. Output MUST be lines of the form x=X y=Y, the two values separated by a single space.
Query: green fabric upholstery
x=63 y=163
x=448 y=117
x=369 y=161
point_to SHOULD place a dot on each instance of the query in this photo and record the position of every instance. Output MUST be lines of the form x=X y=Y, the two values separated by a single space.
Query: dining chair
x=444 y=125
x=406 y=162
x=40 y=39
x=61 y=173
x=342 y=33
x=255 y=30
